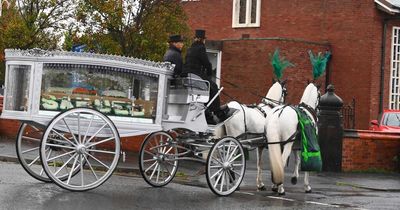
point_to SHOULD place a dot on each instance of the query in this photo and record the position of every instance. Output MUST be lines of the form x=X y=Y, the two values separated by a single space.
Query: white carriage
x=74 y=107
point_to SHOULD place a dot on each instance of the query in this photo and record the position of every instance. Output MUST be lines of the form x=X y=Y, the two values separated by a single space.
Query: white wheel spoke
x=151 y=166
x=60 y=146
x=236 y=157
x=30 y=138
x=233 y=152
x=81 y=165
x=33 y=161
x=58 y=156
x=100 y=142
x=155 y=169
x=149 y=153
x=30 y=150
x=91 y=168
x=216 y=181
x=227 y=180
x=97 y=160
x=72 y=170
x=87 y=130
x=238 y=164
x=79 y=128
x=219 y=171
x=217 y=160
x=100 y=151
x=76 y=141
x=222 y=181
x=62 y=136
x=62 y=167
x=230 y=176
x=60 y=141
x=149 y=160
x=229 y=147
x=236 y=173
x=158 y=172
x=95 y=134
x=216 y=166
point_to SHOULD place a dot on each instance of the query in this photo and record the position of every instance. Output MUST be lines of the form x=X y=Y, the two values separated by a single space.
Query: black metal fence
x=349 y=115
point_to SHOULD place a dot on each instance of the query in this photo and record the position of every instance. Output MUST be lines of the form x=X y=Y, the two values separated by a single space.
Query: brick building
x=361 y=34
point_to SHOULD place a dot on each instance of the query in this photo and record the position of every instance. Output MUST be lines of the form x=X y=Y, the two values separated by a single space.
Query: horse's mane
x=275 y=92
x=310 y=95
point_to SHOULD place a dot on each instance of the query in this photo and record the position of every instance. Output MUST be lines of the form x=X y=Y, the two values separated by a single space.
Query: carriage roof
x=39 y=55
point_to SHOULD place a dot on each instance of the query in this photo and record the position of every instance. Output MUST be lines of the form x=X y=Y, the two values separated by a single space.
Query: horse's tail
x=274 y=150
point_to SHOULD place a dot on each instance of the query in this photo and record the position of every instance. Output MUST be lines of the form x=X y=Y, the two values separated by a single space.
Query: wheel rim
x=158 y=163
x=85 y=148
x=225 y=166
x=28 y=147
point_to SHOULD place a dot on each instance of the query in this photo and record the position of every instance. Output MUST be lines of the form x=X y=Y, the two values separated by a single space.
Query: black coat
x=174 y=56
x=197 y=62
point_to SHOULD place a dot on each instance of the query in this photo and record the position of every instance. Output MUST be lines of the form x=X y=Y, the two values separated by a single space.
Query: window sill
x=246 y=26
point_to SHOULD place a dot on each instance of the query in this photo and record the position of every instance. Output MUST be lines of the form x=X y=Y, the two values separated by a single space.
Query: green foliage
x=137 y=28
x=319 y=63
x=32 y=23
x=279 y=64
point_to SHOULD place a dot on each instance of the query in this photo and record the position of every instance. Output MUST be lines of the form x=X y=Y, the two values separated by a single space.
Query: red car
x=389 y=121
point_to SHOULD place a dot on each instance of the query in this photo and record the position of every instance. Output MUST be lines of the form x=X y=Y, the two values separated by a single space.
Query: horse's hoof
x=309 y=191
x=294 y=180
x=274 y=189
x=282 y=193
x=263 y=188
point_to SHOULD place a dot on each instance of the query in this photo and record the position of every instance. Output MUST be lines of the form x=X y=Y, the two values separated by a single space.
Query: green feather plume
x=278 y=64
x=319 y=63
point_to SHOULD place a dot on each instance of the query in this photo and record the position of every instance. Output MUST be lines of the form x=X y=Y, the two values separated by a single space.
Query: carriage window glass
x=112 y=91
x=246 y=13
x=17 y=90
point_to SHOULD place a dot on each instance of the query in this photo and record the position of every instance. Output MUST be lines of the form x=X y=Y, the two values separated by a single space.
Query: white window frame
x=247 y=24
x=218 y=54
x=394 y=87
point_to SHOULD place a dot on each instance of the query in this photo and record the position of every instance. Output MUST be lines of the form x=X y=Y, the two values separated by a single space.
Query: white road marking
x=322 y=204
x=280 y=198
x=247 y=193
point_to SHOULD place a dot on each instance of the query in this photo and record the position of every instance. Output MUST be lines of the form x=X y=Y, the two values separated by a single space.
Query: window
x=112 y=91
x=18 y=85
x=394 y=94
x=246 y=13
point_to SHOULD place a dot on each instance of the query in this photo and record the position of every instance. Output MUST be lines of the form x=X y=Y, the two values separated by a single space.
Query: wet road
x=19 y=191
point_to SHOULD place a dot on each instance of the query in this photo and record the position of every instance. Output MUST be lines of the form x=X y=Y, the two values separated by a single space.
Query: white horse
x=281 y=126
x=252 y=120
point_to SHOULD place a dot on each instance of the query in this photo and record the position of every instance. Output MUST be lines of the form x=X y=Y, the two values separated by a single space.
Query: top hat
x=200 y=33
x=175 y=38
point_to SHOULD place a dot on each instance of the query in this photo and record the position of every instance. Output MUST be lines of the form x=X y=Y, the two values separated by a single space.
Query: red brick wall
x=352 y=27
x=256 y=76
x=370 y=151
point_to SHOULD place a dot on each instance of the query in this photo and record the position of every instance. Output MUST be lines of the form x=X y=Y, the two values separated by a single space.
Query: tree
x=33 y=23
x=138 y=28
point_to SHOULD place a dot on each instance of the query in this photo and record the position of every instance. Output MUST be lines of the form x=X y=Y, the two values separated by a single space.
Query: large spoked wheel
x=225 y=166
x=158 y=159
x=84 y=145
x=27 y=147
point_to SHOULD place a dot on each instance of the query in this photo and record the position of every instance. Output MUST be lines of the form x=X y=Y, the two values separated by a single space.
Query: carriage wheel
x=27 y=147
x=157 y=162
x=84 y=145
x=225 y=166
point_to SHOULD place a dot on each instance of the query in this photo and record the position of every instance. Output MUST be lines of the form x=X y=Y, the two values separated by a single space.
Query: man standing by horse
x=196 y=62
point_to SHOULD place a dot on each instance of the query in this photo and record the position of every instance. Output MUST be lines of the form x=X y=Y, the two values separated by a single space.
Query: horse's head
x=311 y=96
x=277 y=92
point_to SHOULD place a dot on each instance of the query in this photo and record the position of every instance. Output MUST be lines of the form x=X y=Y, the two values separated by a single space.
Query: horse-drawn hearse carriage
x=74 y=107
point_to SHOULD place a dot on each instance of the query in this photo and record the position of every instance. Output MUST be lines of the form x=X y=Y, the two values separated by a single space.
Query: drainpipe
x=383 y=55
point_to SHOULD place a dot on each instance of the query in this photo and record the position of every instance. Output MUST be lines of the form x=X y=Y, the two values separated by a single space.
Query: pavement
x=191 y=173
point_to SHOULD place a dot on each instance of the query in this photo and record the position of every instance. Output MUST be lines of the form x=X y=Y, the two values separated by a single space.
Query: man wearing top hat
x=173 y=53
x=196 y=62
